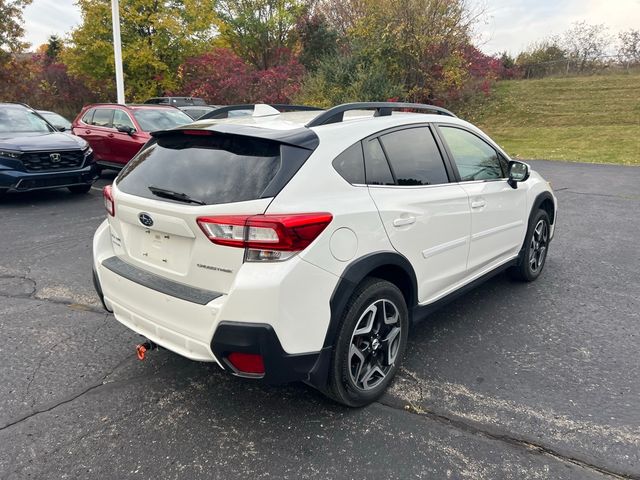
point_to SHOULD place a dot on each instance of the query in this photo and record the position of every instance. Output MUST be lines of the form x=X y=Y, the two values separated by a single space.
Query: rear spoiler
x=298 y=137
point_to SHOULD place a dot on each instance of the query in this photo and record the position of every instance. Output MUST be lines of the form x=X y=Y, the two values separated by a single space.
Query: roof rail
x=383 y=109
x=223 y=112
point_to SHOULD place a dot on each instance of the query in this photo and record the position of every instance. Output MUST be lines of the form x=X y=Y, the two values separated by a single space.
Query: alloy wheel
x=375 y=343
x=538 y=247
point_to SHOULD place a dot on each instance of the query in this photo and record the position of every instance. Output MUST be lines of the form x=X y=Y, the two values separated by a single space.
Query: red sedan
x=117 y=132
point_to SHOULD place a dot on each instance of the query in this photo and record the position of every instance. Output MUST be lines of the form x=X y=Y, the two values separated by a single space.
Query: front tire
x=370 y=345
x=535 y=250
x=79 y=189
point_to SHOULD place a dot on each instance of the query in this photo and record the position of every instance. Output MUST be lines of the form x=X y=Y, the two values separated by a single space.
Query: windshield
x=56 y=120
x=196 y=113
x=152 y=119
x=18 y=119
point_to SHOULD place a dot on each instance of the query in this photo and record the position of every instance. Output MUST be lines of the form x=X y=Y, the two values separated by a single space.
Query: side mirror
x=125 y=129
x=518 y=172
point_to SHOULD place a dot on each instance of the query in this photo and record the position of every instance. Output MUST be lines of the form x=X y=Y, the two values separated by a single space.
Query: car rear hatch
x=183 y=175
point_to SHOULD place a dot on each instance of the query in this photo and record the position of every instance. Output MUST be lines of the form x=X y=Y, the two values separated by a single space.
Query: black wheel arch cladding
x=385 y=265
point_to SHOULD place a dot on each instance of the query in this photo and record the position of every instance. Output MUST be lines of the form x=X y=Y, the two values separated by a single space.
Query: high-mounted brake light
x=197 y=132
x=109 y=204
x=266 y=237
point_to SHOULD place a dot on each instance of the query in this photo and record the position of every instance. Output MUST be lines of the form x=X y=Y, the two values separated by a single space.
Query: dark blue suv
x=34 y=155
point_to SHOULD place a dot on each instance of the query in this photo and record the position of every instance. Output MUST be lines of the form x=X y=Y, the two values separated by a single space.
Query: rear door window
x=103 y=117
x=414 y=157
x=211 y=169
x=161 y=118
x=376 y=167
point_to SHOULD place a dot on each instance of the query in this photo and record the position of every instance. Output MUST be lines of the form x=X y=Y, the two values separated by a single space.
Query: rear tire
x=535 y=250
x=370 y=345
x=79 y=189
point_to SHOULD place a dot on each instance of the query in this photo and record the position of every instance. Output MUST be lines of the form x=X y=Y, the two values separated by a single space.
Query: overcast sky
x=507 y=24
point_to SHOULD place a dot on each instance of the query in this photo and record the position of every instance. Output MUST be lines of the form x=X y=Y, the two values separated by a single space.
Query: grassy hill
x=584 y=119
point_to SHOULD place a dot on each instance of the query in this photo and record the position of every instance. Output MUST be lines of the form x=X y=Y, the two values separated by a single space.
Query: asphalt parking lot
x=513 y=380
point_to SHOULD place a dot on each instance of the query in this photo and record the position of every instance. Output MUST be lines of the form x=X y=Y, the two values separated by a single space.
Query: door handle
x=401 y=222
x=110 y=135
x=478 y=204
x=87 y=131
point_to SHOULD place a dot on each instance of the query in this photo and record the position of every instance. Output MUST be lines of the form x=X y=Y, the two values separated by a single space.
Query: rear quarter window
x=350 y=164
x=88 y=117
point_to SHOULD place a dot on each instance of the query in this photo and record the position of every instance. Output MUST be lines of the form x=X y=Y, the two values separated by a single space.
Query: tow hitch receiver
x=143 y=348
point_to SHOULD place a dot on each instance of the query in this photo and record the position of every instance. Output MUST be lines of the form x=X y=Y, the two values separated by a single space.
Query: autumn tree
x=629 y=49
x=259 y=31
x=156 y=37
x=15 y=69
x=415 y=49
x=586 y=43
x=341 y=15
x=53 y=48
x=317 y=39
x=222 y=77
x=422 y=41
x=11 y=29
x=542 y=58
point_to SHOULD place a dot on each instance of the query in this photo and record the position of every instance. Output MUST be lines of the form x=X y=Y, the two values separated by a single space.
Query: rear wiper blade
x=179 y=196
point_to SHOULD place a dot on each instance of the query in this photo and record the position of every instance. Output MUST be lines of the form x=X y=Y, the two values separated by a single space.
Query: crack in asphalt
x=624 y=197
x=33 y=295
x=68 y=399
x=388 y=402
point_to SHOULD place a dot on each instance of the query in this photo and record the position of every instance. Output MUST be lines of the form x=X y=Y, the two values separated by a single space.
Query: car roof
x=291 y=127
x=130 y=106
x=358 y=119
x=194 y=107
x=14 y=104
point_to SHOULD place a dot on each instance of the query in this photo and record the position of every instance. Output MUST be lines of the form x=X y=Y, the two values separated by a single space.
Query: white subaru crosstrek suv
x=302 y=245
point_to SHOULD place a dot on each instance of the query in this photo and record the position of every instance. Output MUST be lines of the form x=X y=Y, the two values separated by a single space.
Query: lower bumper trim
x=280 y=367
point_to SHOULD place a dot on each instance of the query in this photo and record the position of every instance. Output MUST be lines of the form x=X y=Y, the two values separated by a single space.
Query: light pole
x=117 y=49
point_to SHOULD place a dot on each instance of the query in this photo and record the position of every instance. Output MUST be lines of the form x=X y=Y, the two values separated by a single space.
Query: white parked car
x=302 y=245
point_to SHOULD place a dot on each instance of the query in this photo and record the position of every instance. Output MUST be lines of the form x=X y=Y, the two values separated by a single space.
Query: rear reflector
x=109 y=204
x=247 y=362
x=265 y=235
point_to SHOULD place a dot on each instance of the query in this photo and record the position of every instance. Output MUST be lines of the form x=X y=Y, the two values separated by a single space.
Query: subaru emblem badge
x=145 y=219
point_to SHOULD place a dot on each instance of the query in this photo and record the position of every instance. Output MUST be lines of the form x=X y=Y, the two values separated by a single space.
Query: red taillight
x=247 y=362
x=266 y=236
x=109 y=204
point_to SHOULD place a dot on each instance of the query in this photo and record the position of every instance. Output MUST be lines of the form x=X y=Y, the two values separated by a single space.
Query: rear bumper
x=20 y=181
x=260 y=314
x=259 y=338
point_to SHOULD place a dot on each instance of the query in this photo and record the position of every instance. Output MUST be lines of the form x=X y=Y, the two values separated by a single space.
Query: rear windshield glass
x=207 y=169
